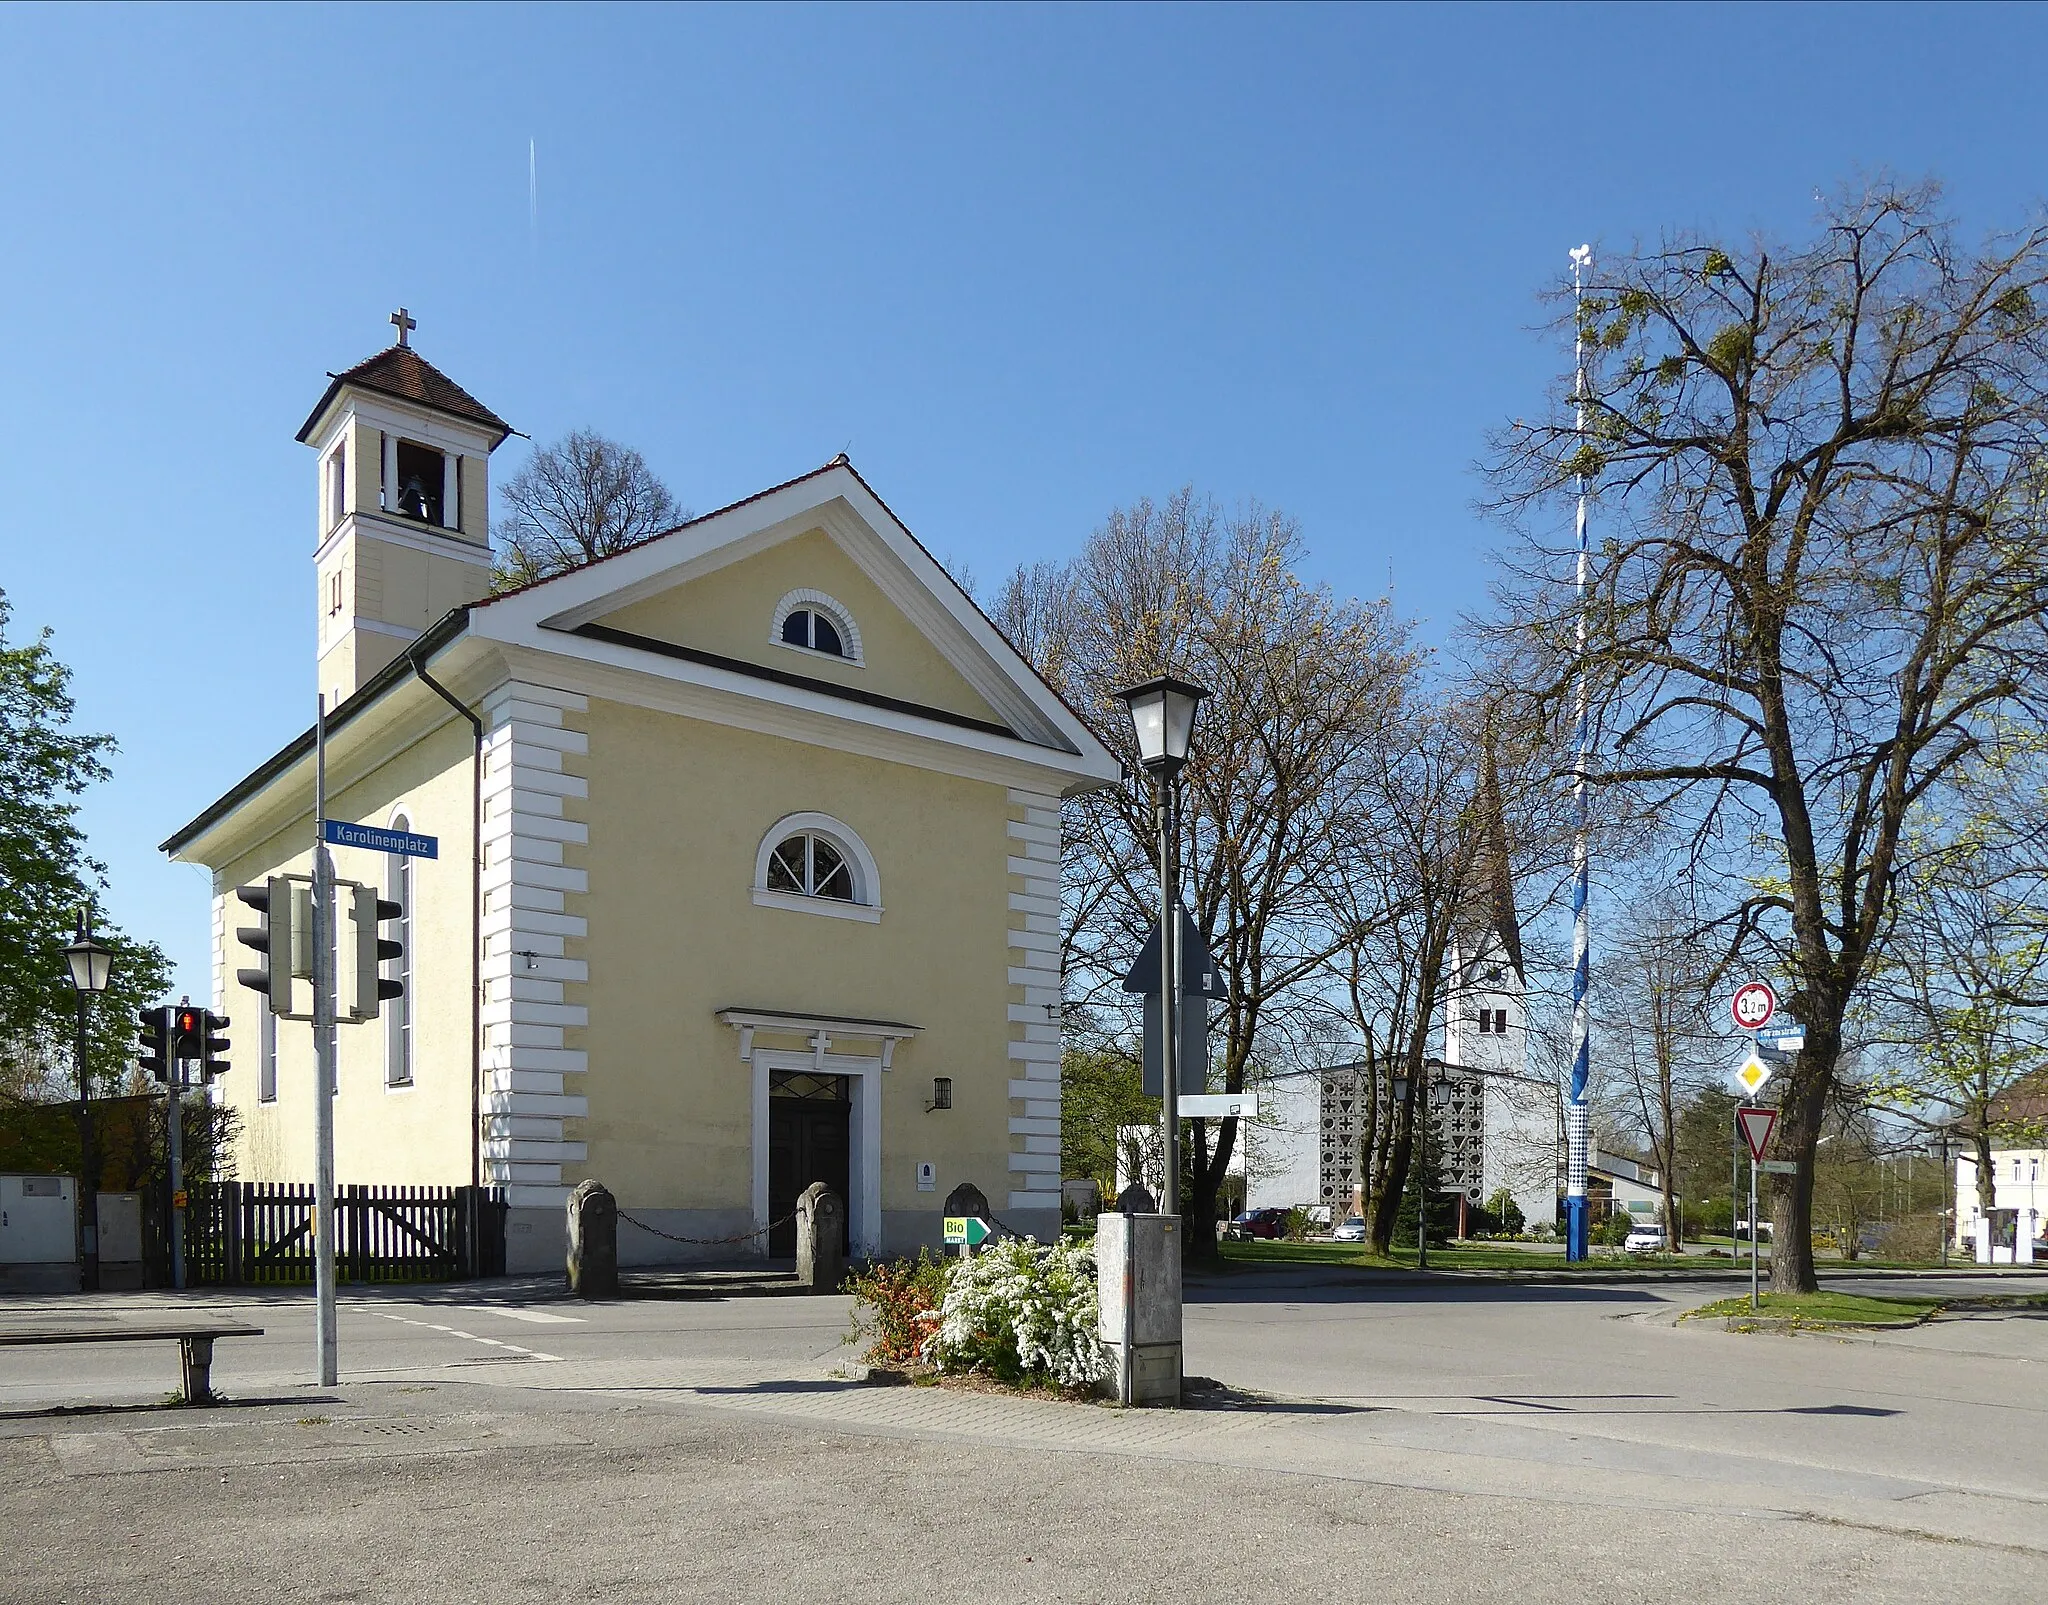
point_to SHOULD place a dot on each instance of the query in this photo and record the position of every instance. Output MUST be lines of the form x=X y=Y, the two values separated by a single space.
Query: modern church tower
x=403 y=503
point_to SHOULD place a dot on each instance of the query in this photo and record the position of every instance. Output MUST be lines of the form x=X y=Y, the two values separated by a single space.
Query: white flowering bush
x=1021 y=1312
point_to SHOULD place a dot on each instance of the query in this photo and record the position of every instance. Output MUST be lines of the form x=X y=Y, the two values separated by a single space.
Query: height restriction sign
x=1754 y=1005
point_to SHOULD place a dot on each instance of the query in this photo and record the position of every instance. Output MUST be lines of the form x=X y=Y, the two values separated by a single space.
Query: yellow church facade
x=747 y=870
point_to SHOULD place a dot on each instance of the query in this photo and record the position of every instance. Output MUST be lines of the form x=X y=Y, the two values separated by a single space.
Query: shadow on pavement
x=1277 y=1289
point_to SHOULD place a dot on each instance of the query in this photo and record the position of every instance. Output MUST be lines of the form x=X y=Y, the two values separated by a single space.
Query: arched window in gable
x=811 y=621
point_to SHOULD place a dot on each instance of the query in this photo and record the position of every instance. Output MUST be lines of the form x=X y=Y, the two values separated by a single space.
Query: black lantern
x=1163 y=719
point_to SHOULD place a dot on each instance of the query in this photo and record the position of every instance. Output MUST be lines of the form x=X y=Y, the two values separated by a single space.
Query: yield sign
x=1756 y=1126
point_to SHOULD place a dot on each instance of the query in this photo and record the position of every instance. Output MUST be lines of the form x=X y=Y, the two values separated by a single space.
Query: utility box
x=1137 y=1268
x=120 y=1242
x=39 y=1233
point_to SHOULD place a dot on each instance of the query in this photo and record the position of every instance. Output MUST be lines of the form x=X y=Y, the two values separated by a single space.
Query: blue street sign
x=1781 y=1031
x=405 y=843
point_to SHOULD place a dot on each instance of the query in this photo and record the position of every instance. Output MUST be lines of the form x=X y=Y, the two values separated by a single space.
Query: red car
x=1265 y=1223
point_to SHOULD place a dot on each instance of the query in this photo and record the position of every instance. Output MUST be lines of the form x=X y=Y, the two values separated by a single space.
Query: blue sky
x=1024 y=264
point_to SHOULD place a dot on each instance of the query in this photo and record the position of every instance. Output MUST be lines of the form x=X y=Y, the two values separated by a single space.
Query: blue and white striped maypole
x=1575 y=1111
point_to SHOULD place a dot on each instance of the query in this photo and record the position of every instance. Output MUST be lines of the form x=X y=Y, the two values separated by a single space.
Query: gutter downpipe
x=476 y=907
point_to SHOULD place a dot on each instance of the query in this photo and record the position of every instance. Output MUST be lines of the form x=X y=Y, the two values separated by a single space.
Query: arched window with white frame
x=811 y=621
x=401 y=1011
x=818 y=865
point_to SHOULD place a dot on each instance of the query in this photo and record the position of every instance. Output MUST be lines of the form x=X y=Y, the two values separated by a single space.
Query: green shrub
x=896 y=1306
x=1503 y=1208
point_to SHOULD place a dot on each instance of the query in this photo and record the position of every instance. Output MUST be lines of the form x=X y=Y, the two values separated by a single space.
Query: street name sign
x=1779 y=1167
x=1756 y=1126
x=1218 y=1105
x=1753 y=1005
x=1753 y=1074
x=969 y=1229
x=402 y=843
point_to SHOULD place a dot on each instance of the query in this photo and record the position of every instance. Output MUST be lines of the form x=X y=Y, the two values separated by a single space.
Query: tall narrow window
x=337 y=484
x=399 y=1011
x=266 y=1055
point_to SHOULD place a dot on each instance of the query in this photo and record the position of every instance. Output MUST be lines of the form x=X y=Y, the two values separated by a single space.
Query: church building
x=747 y=868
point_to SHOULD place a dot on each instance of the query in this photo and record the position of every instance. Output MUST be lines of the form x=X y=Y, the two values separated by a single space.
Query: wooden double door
x=810 y=1139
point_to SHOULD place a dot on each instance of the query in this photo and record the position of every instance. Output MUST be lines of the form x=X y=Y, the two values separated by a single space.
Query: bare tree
x=1412 y=880
x=583 y=497
x=1654 y=997
x=1823 y=580
x=1301 y=684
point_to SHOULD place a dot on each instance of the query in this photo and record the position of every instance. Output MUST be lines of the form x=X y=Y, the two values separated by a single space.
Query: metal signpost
x=298 y=940
x=1756 y=1126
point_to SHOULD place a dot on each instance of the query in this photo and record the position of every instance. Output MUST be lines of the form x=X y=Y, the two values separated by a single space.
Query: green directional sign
x=969 y=1229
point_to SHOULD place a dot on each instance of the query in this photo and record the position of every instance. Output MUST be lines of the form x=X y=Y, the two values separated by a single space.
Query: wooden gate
x=253 y=1233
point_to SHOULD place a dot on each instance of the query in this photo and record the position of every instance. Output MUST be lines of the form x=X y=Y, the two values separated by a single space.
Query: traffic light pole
x=174 y=1120
x=323 y=1061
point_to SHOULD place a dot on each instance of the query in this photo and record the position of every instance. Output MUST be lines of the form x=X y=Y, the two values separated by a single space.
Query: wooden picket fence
x=246 y=1234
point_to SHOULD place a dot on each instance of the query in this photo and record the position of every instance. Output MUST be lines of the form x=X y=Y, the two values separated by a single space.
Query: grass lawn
x=1821 y=1311
x=1478 y=1257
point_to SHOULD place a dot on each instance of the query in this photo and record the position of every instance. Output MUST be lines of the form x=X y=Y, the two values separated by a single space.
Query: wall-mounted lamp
x=942 y=1094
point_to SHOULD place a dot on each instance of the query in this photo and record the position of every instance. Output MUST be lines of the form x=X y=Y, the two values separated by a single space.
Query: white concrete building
x=2019 y=1217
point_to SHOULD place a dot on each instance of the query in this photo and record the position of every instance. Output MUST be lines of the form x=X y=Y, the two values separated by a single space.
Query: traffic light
x=155 y=1057
x=213 y=1047
x=188 y=1033
x=284 y=938
x=373 y=948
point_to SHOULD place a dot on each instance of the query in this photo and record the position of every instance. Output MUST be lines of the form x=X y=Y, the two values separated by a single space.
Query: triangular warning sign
x=1756 y=1126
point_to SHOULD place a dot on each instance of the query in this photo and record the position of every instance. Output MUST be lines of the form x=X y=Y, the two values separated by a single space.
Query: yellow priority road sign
x=1753 y=1074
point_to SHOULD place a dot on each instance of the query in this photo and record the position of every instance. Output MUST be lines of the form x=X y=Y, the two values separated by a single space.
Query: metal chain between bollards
x=709 y=1242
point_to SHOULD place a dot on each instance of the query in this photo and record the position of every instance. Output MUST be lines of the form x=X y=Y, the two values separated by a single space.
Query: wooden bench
x=195 y=1344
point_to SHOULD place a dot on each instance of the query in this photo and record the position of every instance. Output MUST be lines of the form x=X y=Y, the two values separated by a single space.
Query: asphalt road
x=1443 y=1443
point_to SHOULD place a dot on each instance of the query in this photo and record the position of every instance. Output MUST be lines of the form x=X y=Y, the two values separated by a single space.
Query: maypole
x=1575 y=1116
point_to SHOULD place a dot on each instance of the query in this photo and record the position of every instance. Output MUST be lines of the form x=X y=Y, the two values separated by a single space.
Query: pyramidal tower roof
x=401 y=372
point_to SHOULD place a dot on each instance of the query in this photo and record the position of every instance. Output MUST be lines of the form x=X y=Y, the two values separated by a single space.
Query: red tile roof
x=402 y=372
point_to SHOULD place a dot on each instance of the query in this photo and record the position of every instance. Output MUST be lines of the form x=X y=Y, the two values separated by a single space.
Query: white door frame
x=864 y=1138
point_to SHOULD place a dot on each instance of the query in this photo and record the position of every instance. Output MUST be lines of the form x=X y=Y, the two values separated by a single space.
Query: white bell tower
x=403 y=497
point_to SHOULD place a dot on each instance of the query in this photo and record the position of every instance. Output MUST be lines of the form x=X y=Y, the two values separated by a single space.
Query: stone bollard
x=593 y=1241
x=820 y=1232
x=970 y=1201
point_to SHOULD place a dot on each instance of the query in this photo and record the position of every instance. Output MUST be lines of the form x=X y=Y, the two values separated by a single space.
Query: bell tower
x=403 y=495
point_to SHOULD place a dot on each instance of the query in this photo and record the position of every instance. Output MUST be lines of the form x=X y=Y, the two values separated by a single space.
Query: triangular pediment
x=740 y=611
x=708 y=600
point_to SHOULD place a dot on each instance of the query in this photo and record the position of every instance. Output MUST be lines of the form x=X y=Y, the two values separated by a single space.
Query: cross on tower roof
x=405 y=323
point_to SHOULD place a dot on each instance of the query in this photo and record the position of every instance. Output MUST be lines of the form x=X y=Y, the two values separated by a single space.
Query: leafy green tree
x=1704 y=1144
x=1100 y=1090
x=1427 y=1168
x=47 y=879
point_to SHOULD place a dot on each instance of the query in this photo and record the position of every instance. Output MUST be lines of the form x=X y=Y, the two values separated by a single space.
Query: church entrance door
x=809 y=1139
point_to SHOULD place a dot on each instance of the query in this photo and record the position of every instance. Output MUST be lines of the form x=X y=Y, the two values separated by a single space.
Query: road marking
x=539 y=1317
x=474 y=1337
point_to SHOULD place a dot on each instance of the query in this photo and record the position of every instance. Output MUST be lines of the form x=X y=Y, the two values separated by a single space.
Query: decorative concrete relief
x=1034 y=1017
x=534 y=928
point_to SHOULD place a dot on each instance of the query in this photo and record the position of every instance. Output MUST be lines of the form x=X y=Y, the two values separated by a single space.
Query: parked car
x=1645 y=1240
x=1351 y=1231
x=1258 y=1223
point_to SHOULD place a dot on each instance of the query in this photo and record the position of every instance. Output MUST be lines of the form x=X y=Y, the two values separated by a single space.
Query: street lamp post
x=89 y=963
x=1163 y=720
